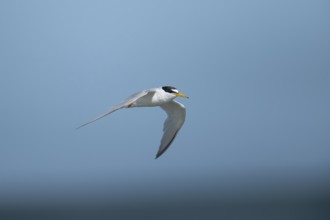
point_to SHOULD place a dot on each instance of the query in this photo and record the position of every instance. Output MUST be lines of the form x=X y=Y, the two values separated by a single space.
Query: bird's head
x=172 y=90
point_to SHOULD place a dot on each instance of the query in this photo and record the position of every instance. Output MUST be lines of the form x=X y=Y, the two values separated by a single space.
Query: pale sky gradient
x=257 y=74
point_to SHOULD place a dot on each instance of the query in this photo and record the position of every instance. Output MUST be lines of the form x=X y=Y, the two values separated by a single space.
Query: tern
x=164 y=98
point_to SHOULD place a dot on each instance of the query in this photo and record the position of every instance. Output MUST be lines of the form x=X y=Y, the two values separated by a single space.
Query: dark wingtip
x=158 y=155
x=81 y=126
x=78 y=127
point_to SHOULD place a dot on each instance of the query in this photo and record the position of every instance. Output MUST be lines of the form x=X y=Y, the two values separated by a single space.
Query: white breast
x=154 y=97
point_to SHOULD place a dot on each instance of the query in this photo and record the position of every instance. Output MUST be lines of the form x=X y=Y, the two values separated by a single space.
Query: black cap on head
x=170 y=89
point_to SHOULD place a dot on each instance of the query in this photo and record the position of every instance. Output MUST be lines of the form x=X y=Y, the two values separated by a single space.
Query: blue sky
x=256 y=72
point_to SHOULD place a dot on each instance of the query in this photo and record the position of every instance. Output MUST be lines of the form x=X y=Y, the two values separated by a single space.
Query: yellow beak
x=182 y=95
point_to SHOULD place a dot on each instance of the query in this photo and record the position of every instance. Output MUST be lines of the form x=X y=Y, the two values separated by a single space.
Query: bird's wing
x=176 y=115
x=126 y=103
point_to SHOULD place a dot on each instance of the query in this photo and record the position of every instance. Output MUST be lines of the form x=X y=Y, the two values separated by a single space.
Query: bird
x=164 y=98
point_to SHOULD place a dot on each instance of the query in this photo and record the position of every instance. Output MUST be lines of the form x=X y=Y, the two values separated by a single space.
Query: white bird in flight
x=164 y=98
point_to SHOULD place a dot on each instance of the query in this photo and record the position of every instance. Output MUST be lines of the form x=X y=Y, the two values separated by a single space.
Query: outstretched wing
x=124 y=104
x=176 y=115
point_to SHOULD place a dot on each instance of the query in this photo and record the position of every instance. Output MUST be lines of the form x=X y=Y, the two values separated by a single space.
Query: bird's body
x=163 y=97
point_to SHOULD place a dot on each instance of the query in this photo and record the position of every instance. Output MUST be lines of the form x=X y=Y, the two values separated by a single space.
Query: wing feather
x=176 y=116
x=131 y=99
